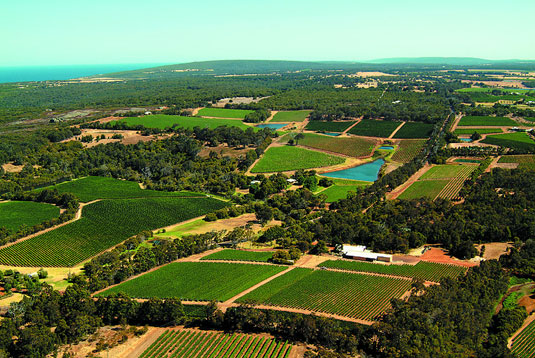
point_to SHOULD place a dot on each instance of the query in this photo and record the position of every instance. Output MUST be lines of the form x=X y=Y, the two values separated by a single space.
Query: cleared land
x=486 y=121
x=346 y=294
x=189 y=343
x=197 y=281
x=341 y=190
x=327 y=126
x=224 y=113
x=353 y=147
x=163 y=121
x=444 y=171
x=407 y=149
x=92 y=188
x=415 y=130
x=15 y=214
x=279 y=159
x=426 y=271
x=524 y=161
x=375 y=128
x=104 y=224
x=470 y=131
x=518 y=140
x=524 y=344
x=240 y=255
x=427 y=188
x=290 y=116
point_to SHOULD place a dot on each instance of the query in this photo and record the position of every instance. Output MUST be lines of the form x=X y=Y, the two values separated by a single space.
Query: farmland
x=92 y=188
x=197 y=281
x=407 y=149
x=426 y=188
x=486 y=121
x=193 y=343
x=426 y=271
x=524 y=161
x=278 y=159
x=470 y=131
x=524 y=344
x=163 y=121
x=224 y=113
x=345 y=294
x=340 y=190
x=290 y=116
x=103 y=224
x=353 y=146
x=374 y=128
x=518 y=140
x=412 y=130
x=14 y=214
x=327 y=126
x=240 y=255
x=446 y=171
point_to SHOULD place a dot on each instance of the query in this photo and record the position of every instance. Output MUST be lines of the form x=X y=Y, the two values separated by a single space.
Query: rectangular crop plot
x=524 y=344
x=346 y=294
x=279 y=159
x=14 y=214
x=524 y=161
x=427 y=271
x=424 y=188
x=518 y=140
x=189 y=343
x=486 y=121
x=470 y=131
x=224 y=113
x=290 y=116
x=407 y=149
x=103 y=224
x=337 y=192
x=240 y=255
x=197 y=281
x=414 y=130
x=351 y=146
x=328 y=126
x=162 y=121
x=448 y=171
x=374 y=128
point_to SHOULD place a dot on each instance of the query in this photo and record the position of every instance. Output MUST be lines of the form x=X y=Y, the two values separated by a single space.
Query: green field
x=328 y=126
x=197 y=281
x=374 y=128
x=524 y=344
x=163 y=121
x=414 y=130
x=524 y=161
x=445 y=171
x=426 y=271
x=279 y=159
x=240 y=255
x=351 y=146
x=337 y=192
x=104 y=224
x=486 y=121
x=470 y=131
x=14 y=214
x=425 y=188
x=518 y=140
x=407 y=149
x=290 y=116
x=188 y=343
x=224 y=113
x=92 y=188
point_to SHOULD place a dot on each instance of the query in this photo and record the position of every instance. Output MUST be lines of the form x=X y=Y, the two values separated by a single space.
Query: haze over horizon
x=60 y=32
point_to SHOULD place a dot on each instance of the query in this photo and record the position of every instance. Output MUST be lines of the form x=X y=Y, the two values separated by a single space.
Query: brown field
x=129 y=137
x=493 y=250
x=223 y=150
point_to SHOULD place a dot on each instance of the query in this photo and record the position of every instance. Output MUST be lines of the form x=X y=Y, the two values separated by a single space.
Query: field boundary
x=391 y=136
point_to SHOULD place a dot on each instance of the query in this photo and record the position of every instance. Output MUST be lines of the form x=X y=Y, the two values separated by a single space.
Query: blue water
x=465 y=139
x=365 y=172
x=272 y=125
x=332 y=134
x=50 y=73
x=387 y=147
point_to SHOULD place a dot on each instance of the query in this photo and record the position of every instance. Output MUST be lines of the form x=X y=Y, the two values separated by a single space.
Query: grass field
x=414 y=130
x=426 y=271
x=290 y=116
x=407 y=149
x=374 y=128
x=92 y=188
x=163 y=121
x=426 y=188
x=14 y=214
x=224 y=113
x=524 y=161
x=327 y=126
x=346 y=294
x=486 y=121
x=103 y=224
x=197 y=281
x=340 y=191
x=446 y=171
x=518 y=140
x=240 y=255
x=352 y=146
x=187 y=343
x=278 y=159
x=524 y=344
x=470 y=131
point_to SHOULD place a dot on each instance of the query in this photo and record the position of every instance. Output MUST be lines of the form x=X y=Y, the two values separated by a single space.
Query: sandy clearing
x=493 y=250
x=438 y=255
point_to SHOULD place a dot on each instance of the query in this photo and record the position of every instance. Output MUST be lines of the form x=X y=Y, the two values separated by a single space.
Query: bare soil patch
x=223 y=150
x=493 y=250
x=438 y=255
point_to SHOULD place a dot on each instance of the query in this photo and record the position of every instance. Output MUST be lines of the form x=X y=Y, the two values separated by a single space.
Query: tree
x=475 y=136
x=298 y=137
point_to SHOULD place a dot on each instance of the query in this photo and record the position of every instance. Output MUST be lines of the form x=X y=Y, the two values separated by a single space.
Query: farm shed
x=291 y=181
x=360 y=253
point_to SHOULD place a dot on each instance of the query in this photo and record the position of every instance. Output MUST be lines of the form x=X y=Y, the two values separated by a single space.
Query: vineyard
x=518 y=140
x=470 y=131
x=163 y=121
x=524 y=161
x=427 y=271
x=279 y=159
x=240 y=255
x=524 y=344
x=486 y=121
x=374 y=128
x=337 y=192
x=424 y=189
x=352 y=146
x=415 y=130
x=407 y=149
x=290 y=116
x=188 y=343
x=14 y=214
x=103 y=224
x=224 y=113
x=197 y=281
x=327 y=126
x=346 y=294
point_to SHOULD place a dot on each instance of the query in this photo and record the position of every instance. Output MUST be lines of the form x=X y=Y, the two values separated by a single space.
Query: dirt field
x=129 y=137
x=223 y=150
x=237 y=100
x=435 y=254
x=494 y=250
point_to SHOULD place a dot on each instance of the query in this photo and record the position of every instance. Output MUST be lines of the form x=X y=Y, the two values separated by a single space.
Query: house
x=291 y=181
x=253 y=182
x=360 y=253
x=148 y=113
x=396 y=102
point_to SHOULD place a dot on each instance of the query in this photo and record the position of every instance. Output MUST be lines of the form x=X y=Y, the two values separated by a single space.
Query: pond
x=272 y=125
x=465 y=139
x=387 y=147
x=331 y=134
x=365 y=172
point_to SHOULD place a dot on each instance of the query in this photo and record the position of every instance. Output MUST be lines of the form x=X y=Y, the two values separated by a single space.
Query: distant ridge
x=452 y=61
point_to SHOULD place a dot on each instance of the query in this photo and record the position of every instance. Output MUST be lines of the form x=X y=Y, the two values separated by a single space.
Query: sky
x=67 y=32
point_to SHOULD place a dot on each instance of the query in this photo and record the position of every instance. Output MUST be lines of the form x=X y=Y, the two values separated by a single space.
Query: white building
x=360 y=253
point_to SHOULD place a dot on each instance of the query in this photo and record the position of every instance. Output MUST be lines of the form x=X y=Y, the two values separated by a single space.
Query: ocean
x=49 y=73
